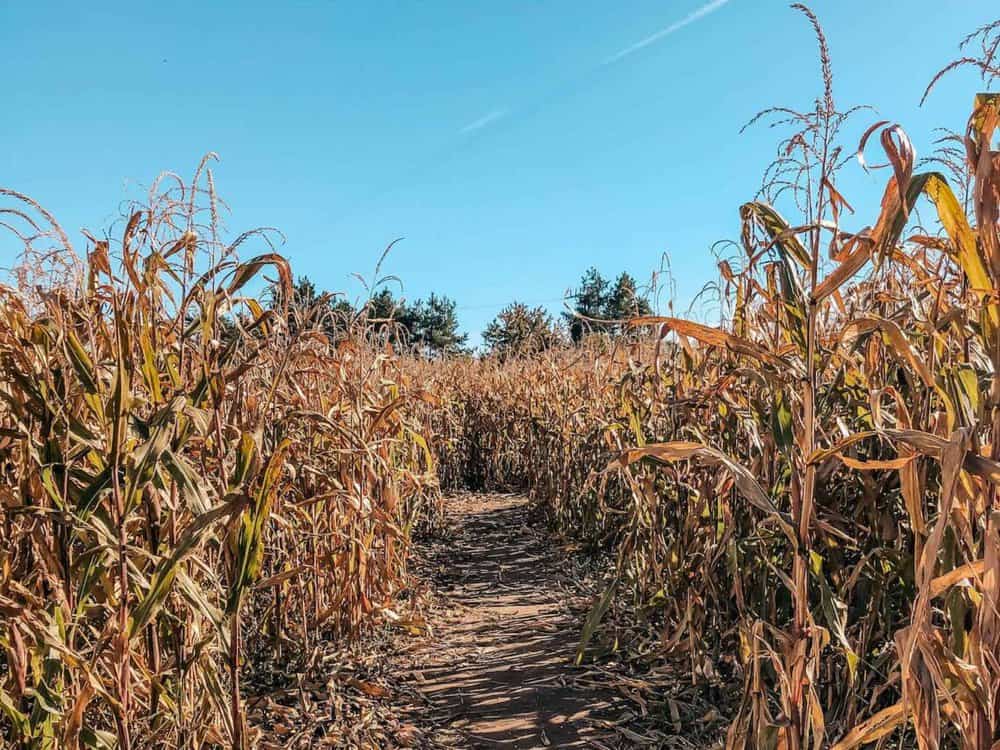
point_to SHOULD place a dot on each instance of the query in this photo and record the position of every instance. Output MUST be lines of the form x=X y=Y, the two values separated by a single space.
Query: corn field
x=811 y=487
x=184 y=480
x=801 y=502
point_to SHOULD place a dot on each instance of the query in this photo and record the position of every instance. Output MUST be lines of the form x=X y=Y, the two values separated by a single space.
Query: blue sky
x=512 y=144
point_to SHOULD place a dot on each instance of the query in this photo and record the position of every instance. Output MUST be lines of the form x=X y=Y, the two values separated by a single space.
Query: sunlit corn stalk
x=132 y=382
x=860 y=390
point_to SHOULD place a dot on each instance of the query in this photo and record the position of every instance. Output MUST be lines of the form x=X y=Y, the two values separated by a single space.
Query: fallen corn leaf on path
x=498 y=671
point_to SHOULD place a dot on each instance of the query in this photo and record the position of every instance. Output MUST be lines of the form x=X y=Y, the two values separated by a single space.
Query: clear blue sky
x=512 y=144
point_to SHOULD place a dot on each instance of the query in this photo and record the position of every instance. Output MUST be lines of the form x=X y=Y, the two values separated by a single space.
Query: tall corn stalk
x=140 y=386
x=847 y=414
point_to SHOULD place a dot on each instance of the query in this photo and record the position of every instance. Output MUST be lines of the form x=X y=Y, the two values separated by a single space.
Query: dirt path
x=498 y=671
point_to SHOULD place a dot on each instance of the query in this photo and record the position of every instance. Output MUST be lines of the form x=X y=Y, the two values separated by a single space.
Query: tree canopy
x=519 y=329
x=430 y=326
x=600 y=305
x=310 y=308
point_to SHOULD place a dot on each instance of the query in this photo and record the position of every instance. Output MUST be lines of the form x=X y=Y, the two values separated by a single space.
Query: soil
x=499 y=669
x=483 y=656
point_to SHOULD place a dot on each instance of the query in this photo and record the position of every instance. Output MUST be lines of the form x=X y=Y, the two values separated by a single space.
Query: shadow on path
x=498 y=672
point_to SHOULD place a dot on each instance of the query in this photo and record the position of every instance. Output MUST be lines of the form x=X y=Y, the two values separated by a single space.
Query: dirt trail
x=498 y=671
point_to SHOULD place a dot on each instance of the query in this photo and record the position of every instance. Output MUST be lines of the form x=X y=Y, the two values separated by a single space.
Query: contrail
x=568 y=85
x=690 y=18
x=483 y=121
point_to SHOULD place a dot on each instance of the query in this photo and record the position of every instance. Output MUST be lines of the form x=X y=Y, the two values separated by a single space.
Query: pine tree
x=519 y=329
x=600 y=306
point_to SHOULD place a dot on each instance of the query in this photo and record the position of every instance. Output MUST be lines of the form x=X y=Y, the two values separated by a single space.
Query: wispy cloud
x=483 y=121
x=689 y=19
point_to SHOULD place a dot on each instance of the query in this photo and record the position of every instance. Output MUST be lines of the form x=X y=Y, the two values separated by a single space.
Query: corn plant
x=150 y=412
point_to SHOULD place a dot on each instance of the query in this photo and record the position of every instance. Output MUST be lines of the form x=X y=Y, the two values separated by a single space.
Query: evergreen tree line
x=599 y=306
